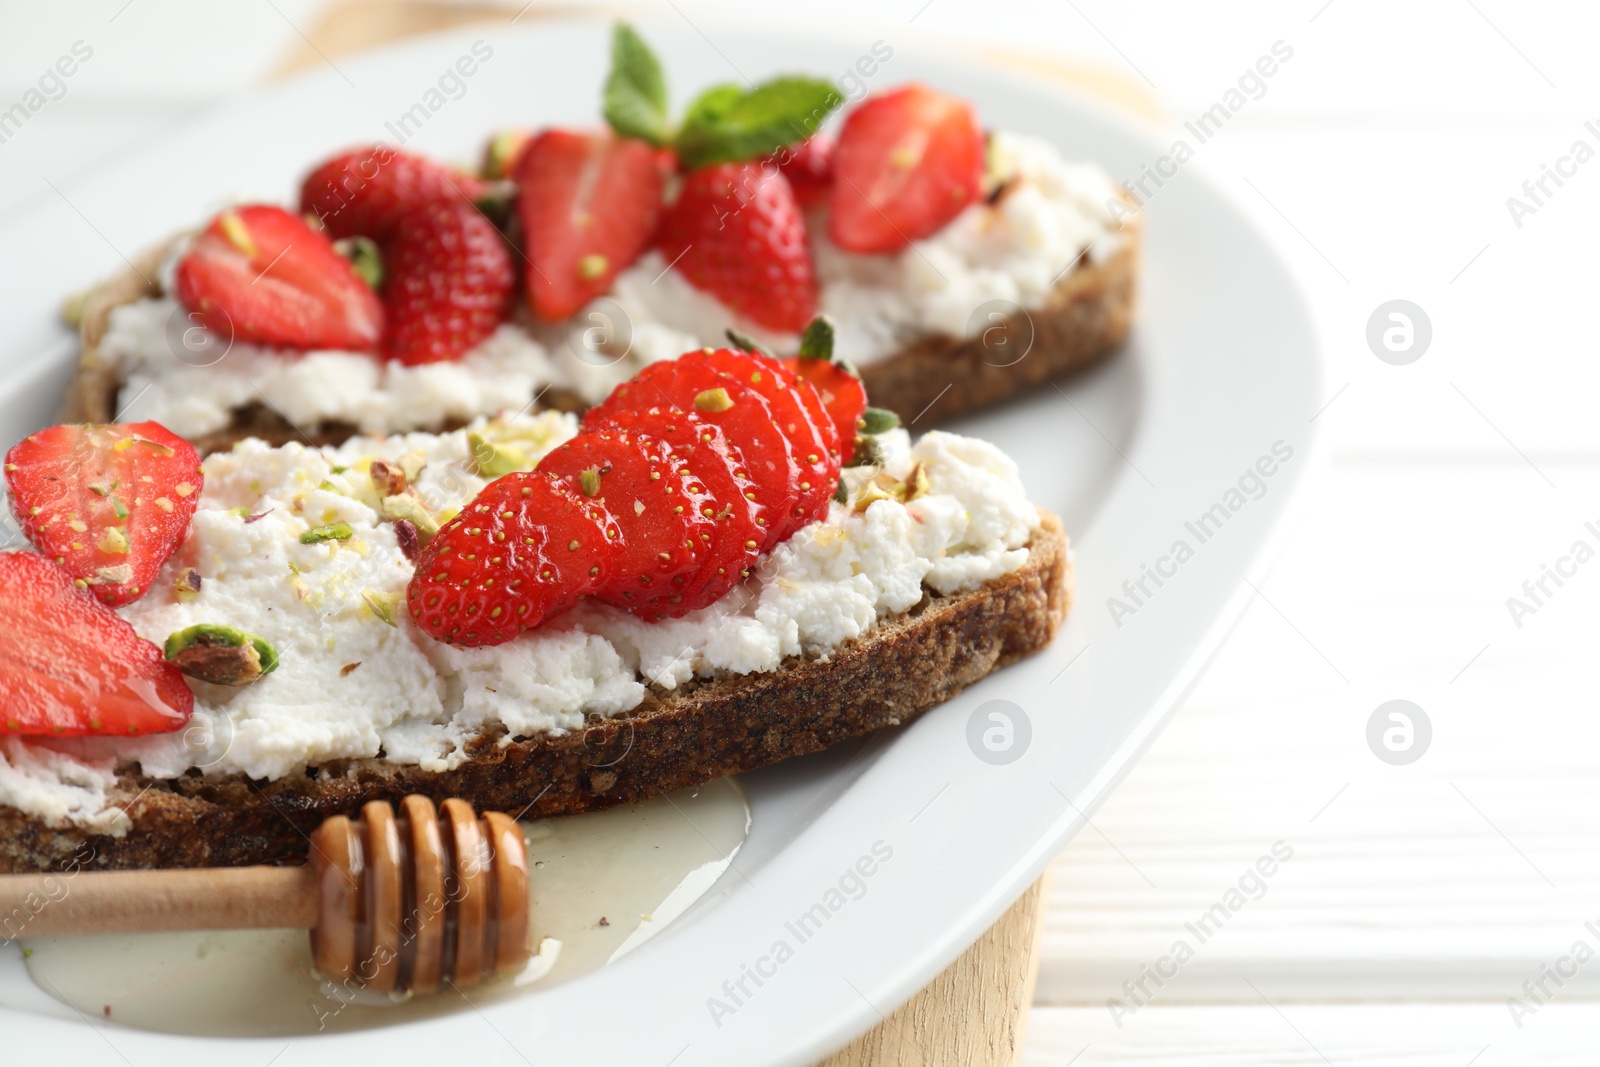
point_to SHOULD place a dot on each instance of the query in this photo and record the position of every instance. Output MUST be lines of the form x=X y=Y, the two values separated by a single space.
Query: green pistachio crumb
x=333 y=531
x=222 y=655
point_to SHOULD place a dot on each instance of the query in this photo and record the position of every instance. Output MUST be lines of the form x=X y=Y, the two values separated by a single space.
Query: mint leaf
x=636 y=90
x=727 y=123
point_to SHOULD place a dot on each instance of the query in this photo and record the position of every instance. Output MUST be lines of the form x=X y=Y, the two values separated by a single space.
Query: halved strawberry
x=737 y=233
x=809 y=168
x=839 y=391
x=907 y=162
x=70 y=666
x=527 y=548
x=258 y=273
x=589 y=203
x=448 y=283
x=719 y=486
x=109 y=503
x=646 y=489
x=363 y=192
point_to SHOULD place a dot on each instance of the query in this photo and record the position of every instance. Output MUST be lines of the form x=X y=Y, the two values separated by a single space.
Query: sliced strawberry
x=737 y=233
x=815 y=450
x=365 y=191
x=70 y=666
x=840 y=392
x=646 y=489
x=719 y=489
x=907 y=162
x=809 y=168
x=688 y=383
x=110 y=503
x=260 y=274
x=589 y=203
x=526 y=549
x=448 y=283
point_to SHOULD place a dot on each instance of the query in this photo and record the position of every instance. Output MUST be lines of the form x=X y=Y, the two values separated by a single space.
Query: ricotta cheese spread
x=357 y=679
x=993 y=257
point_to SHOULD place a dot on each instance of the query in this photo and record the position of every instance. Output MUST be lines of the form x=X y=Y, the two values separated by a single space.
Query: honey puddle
x=602 y=884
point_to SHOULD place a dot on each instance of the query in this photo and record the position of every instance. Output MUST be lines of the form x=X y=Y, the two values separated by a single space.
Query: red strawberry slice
x=589 y=203
x=719 y=488
x=809 y=168
x=70 y=666
x=689 y=384
x=260 y=274
x=364 y=192
x=448 y=283
x=646 y=489
x=110 y=503
x=839 y=391
x=907 y=162
x=527 y=548
x=814 y=450
x=737 y=233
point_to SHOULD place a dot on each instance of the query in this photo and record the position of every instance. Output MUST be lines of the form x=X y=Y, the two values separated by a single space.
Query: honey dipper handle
x=101 y=902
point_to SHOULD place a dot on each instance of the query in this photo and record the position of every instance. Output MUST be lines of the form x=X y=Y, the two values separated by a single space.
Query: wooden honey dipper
x=395 y=902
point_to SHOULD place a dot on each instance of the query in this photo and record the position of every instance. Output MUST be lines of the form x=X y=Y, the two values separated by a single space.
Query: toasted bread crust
x=904 y=667
x=1087 y=316
x=936 y=378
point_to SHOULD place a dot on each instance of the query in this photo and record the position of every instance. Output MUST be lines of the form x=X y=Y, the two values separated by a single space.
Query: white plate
x=1222 y=367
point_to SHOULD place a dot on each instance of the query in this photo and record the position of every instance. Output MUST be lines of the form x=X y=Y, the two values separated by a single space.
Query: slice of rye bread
x=1086 y=317
x=678 y=738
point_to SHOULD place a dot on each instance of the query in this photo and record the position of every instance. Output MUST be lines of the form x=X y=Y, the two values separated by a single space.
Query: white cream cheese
x=357 y=679
x=1052 y=214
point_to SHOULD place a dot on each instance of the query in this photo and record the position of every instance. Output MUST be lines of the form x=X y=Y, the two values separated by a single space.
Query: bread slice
x=908 y=664
x=1085 y=318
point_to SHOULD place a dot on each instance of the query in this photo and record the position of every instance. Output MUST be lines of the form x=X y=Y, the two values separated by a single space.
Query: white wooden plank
x=1456 y=876
x=1277 y=1033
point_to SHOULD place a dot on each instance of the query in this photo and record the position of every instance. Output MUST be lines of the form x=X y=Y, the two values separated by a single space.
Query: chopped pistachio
x=122 y=572
x=589 y=481
x=222 y=655
x=713 y=400
x=502 y=152
x=114 y=542
x=388 y=478
x=365 y=258
x=411 y=465
x=916 y=483
x=493 y=459
x=333 y=531
x=187 y=584
x=383 y=605
x=870 y=494
x=412 y=510
x=842 y=492
x=406 y=536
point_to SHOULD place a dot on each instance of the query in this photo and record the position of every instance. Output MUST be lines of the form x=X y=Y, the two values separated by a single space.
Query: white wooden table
x=1419 y=899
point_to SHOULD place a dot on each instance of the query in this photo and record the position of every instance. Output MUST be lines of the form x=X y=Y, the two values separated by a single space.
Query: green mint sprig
x=725 y=123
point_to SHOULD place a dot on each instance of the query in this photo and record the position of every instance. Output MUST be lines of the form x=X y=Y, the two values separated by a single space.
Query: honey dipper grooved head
x=409 y=900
